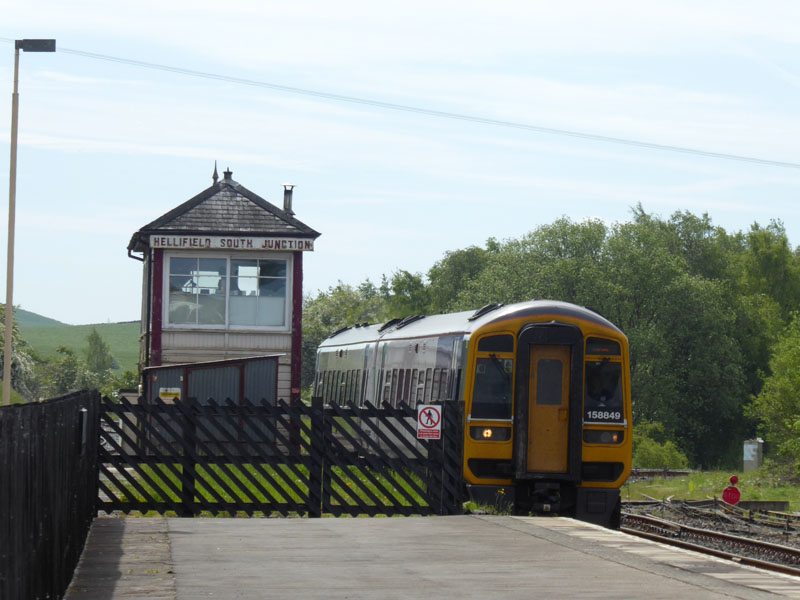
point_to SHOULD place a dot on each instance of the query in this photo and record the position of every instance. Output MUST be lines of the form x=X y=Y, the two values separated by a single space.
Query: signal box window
x=228 y=292
x=197 y=291
x=258 y=292
x=491 y=398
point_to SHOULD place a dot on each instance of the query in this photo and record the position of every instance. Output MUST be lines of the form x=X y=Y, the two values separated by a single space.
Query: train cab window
x=491 y=398
x=603 y=399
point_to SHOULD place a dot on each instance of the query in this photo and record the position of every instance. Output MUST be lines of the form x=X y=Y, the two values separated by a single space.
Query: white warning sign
x=429 y=422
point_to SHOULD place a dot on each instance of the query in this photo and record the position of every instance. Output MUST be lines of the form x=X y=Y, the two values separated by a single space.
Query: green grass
x=252 y=481
x=757 y=485
x=122 y=339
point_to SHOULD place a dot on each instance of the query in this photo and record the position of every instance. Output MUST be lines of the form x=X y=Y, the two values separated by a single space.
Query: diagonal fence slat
x=191 y=458
x=372 y=461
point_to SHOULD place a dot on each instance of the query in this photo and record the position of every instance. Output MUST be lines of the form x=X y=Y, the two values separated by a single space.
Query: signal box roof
x=226 y=208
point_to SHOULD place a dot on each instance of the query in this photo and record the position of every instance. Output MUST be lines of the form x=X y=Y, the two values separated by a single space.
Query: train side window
x=351 y=386
x=407 y=386
x=387 y=385
x=401 y=379
x=362 y=392
x=428 y=385
x=393 y=394
x=437 y=382
x=420 y=395
x=338 y=388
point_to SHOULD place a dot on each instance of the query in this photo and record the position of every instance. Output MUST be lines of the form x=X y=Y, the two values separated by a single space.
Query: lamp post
x=26 y=46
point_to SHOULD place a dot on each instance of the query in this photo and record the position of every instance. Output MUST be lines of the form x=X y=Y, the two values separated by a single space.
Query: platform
x=462 y=556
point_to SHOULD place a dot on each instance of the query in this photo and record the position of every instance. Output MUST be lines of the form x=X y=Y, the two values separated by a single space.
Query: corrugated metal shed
x=254 y=378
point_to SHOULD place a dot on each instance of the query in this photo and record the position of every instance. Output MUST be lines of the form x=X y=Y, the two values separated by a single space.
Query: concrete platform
x=464 y=556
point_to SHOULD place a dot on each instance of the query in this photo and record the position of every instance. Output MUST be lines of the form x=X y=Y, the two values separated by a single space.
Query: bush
x=649 y=454
x=651 y=449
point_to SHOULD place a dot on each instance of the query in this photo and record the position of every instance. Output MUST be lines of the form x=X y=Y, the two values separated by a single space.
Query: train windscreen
x=603 y=400
x=491 y=398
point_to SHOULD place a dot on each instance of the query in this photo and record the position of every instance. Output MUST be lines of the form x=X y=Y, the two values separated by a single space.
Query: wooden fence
x=190 y=458
x=48 y=489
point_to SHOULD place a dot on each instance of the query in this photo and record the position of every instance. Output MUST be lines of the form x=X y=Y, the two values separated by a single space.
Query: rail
x=783 y=559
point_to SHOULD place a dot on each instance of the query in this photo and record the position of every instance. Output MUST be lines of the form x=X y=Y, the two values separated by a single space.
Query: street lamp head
x=35 y=45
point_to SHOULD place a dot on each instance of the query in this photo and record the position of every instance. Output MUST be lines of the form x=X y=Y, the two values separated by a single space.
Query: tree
x=66 y=373
x=778 y=404
x=451 y=274
x=98 y=356
x=21 y=359
x=770 y=267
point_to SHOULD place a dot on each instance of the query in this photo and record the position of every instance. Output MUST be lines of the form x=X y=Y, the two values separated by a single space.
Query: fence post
x=188 y=490
x=316 y=466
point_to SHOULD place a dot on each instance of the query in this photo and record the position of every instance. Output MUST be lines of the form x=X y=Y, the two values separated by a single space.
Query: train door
x=548 y=412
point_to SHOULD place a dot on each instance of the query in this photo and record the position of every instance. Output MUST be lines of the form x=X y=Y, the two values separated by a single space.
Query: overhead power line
x=429 y=112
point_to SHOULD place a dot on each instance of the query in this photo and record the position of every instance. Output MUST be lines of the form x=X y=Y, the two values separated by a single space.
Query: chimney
x=287 y=198
x=227 y=174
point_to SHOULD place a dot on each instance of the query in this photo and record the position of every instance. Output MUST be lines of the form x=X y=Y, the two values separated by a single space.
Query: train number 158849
x=602 y=415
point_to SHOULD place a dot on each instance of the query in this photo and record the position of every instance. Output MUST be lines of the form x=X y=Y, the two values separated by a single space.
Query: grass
x=263 y=483
x=757 y=485
x=122 y=339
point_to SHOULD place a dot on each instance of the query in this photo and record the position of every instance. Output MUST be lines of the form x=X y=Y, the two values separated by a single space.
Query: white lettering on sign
x=429 y=422
x=230 y=243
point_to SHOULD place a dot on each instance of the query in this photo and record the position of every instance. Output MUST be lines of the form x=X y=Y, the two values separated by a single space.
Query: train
x=546 y=393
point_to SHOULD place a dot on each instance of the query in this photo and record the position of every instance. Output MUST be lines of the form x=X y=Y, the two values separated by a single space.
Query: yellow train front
x=546 y=393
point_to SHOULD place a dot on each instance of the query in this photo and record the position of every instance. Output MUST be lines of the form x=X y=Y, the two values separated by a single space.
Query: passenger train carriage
x=546 y=393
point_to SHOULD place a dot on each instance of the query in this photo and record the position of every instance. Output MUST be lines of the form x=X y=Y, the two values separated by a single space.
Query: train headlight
x=594 y=436
x=490 y=434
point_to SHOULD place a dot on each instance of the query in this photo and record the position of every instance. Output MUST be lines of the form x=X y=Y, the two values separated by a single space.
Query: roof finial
x=215 y=177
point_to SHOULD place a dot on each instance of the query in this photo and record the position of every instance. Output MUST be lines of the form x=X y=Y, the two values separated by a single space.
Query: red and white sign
x=429 y=422
x=731 y=495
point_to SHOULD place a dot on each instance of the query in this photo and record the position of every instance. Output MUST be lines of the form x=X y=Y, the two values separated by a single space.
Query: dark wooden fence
x=189 y=457
x=48 y=490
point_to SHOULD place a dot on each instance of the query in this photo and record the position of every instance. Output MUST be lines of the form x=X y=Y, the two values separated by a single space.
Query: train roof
x=461 y=322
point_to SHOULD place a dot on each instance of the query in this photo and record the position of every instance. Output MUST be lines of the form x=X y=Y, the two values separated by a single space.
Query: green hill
x=25 y=318
x=46 y=335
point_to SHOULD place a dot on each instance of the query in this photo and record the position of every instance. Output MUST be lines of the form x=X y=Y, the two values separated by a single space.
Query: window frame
x=288 y=258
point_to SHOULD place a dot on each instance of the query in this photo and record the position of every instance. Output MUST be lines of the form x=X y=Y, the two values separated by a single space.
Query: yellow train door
x=548 y=415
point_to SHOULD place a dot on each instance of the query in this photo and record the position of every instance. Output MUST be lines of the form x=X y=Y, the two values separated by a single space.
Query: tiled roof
x=225 y=208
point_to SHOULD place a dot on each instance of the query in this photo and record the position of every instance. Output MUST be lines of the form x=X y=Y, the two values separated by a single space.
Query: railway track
x=741 y=547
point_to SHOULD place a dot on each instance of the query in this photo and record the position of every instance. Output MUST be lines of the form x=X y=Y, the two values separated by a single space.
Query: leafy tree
x=449 y=275
x=778 y=404
x=66 y=373
x=405 y=294
x=770 y=267
x=22 y=363
x=98 y=356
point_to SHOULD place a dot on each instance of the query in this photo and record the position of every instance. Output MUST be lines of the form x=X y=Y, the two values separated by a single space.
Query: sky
x=105 y=146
